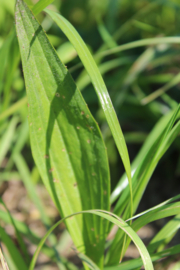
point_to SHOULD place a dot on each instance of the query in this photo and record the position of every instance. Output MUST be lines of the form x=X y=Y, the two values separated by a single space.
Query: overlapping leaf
x=66 y=142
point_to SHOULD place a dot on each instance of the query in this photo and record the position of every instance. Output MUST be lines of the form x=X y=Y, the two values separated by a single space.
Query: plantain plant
x=71 y=157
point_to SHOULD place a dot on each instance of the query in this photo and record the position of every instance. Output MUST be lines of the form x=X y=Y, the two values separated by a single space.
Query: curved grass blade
x=112 y=218
x=141 y=43
x=100 y=89
x=148 y=146
x=164 y=211
x=161 y=90
x=35 y=239
x=164 y=236
x=135 y=263
x=142 y=176
x=66 y=141
x=155 y=207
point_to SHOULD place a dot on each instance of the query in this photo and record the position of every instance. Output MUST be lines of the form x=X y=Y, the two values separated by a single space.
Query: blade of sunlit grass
x=100 y=89
x=7 y=138
x=142 y=176
x=13 y=108
x=161 y=90
x=163 y=237
x=85 y=80
x=155 y=207
x=136 y=263
x=141 y=43
x=40 y=5
x=112 y=218
x=16 y=257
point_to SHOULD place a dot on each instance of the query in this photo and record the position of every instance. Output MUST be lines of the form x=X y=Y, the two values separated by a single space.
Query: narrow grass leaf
x=26 y=178
x=13 y=251
x=66 y=142
x=155 y=207
x=112 y=218
x=84 y=79
x=40 y=5
x=18 y=235
x=138 y=162
x=141 y=43
x=7 y=138
x=100 y=89
x=136 y=263
x=142 y=176
x=32 y=237
x=164 y=235
x=164 y=211
x=161 y=90
x=13 y=108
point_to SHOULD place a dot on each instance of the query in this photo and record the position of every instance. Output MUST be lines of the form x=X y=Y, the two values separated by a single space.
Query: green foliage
x=123 y=57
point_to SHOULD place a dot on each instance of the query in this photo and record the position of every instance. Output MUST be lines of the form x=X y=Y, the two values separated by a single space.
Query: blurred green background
x=130 y=76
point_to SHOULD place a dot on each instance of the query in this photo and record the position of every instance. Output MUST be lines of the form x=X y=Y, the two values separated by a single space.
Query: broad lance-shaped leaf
x=66 y=142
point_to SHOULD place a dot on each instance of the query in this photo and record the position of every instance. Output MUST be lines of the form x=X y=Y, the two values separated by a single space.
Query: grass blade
x=161 y=90
x=40 y=5
x=141 y=43
x=14 y=108
x=136 y=263
x=100 y=89
x=7 y=138
x=13 y=251
x=112 y=218
x=164 y=235
x=142 y=176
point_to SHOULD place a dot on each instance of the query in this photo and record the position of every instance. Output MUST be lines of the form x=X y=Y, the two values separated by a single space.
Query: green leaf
x=155 y=207
x=140 y=43
x=13 y=108
x=7 y=138
x=147 y=149
x=100 y=89
x=18 y=235
x=4 y=53
x=175 y=80
x=84 y=79
x=13 y=251
x=112 y=218
x=133 y=264
x=165 y=234
x=66 y=142
x=40 y=5
x=143 y=171
x=162 y=212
